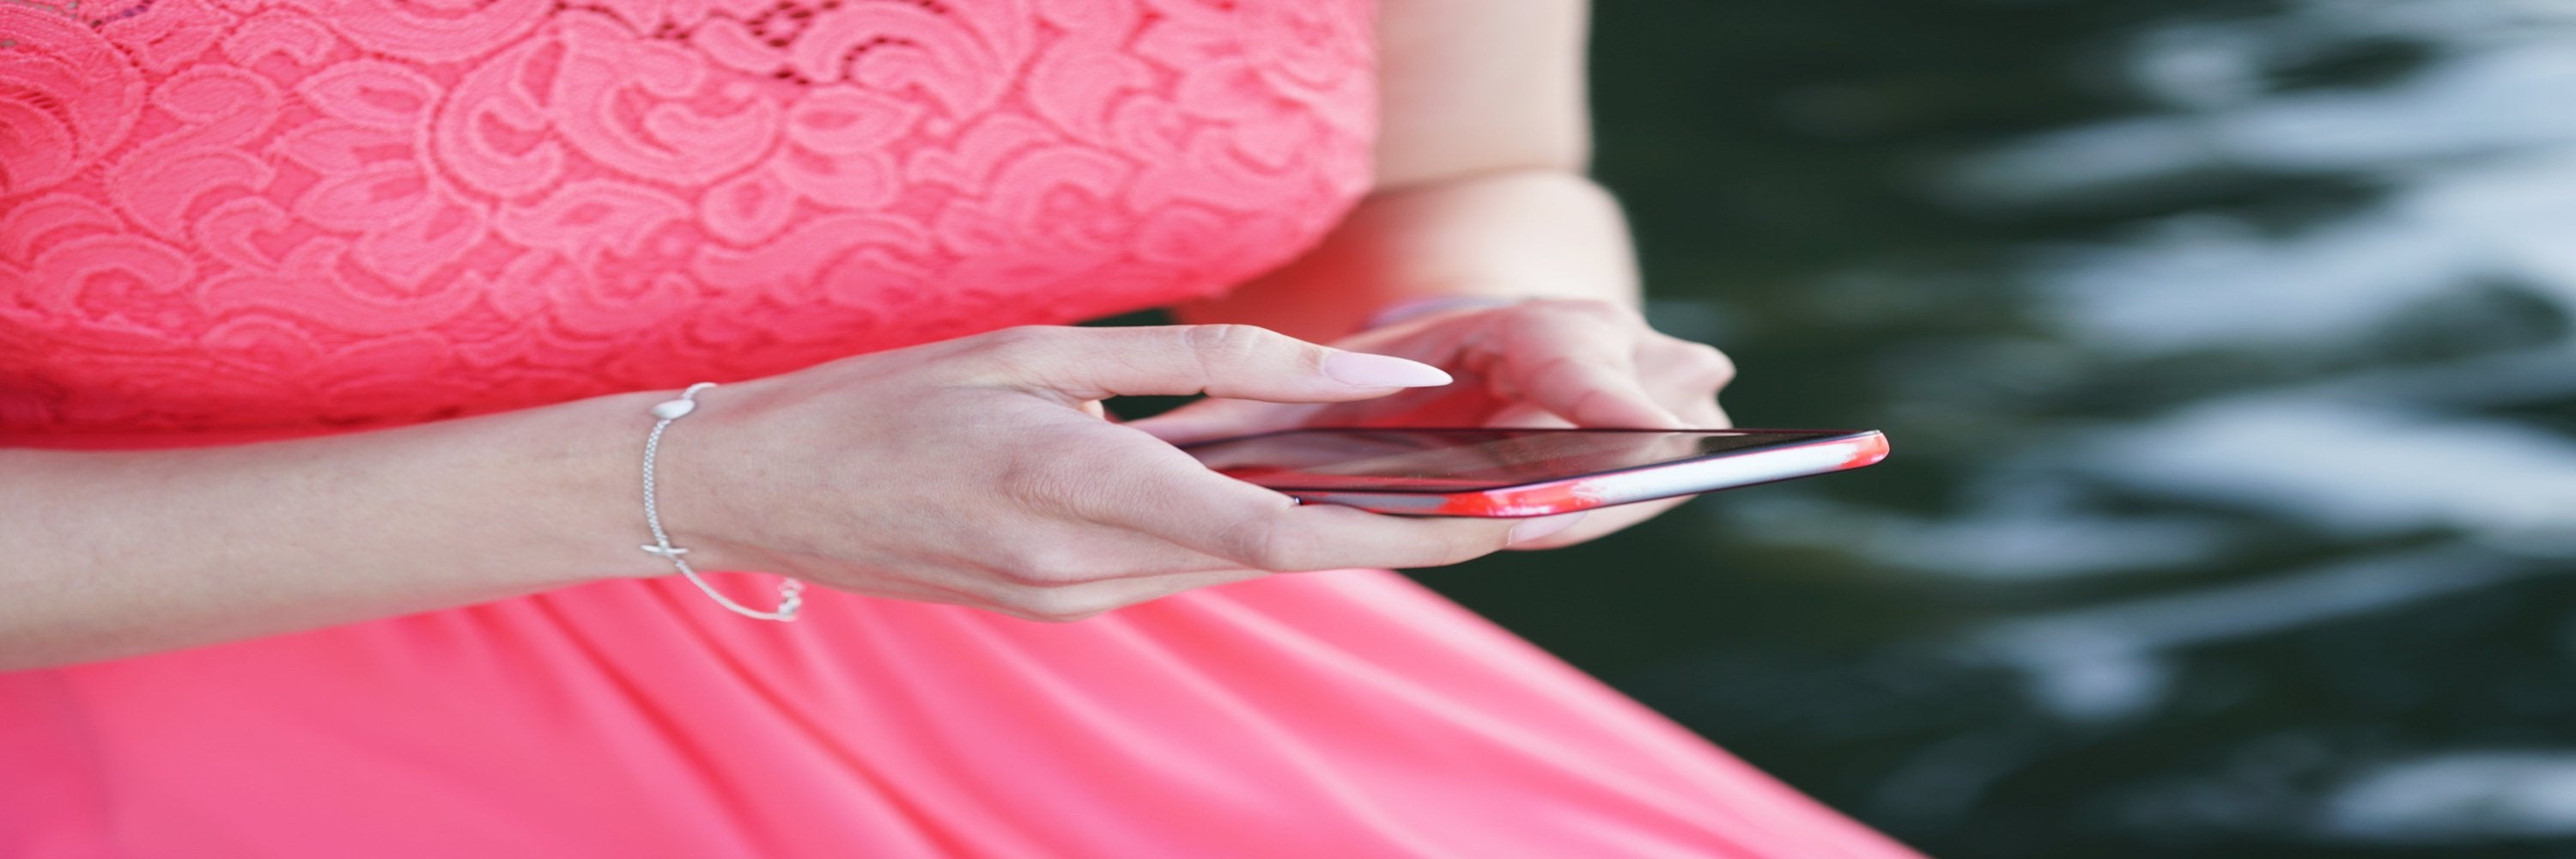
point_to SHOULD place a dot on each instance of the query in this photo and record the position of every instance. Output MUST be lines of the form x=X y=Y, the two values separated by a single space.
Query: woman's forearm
x=1536 y=232
x=113 y=554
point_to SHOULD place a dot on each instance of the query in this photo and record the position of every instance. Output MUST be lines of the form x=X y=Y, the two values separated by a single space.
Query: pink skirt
x=1346 y=714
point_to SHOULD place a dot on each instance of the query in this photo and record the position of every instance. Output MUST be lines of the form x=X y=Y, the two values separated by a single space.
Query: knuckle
x=1043 y=565
x=1463 y=541
x=1572 y=371
x=1584 y=403
x=1708 y=364
x=1595 y=307
x=1024 y=338
x=1056 y=605
x=1020 y=352
x=1036 y=483
x=1225 y=343
x=1264 y=545
x=1469 y=545
x=1219 y=350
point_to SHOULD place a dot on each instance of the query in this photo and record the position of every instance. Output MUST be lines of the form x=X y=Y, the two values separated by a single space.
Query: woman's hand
x=979 y=471
x=1540 y=363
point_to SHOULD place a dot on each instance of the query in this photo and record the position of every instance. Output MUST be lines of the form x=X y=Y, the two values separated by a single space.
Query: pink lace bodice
x=290 y=214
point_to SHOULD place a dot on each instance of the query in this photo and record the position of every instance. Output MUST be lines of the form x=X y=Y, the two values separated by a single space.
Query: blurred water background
x=2225 y=349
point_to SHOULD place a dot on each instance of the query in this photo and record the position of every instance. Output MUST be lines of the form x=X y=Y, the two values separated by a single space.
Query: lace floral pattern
x=246 y=214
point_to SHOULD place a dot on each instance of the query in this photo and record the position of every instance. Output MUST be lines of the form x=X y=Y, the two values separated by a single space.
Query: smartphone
x=1525 y=472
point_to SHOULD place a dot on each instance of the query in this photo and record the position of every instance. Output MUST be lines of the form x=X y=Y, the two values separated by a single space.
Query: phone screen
x=1465 y=460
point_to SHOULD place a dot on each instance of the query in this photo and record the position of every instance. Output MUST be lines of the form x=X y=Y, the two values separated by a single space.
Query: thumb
x=1232 y=361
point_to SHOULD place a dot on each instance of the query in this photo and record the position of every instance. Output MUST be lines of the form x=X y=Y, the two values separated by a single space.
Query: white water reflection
x=2205 y=281
x=2112 y=660
x=2002 y=545
x=2458 y=797
x=2494 y=101
x=2353 y=467
x=2477 y=152
x=2335 y=438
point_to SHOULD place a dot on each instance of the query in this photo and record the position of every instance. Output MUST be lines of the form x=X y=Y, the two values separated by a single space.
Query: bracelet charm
x=791 y=593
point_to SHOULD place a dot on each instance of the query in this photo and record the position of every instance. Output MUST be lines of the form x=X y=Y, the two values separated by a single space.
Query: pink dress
x=224 y=220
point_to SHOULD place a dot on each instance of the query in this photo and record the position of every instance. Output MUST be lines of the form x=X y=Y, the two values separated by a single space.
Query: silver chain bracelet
x=791 y=593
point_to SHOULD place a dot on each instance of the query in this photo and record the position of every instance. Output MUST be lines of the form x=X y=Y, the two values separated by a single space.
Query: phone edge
x=1626 y=486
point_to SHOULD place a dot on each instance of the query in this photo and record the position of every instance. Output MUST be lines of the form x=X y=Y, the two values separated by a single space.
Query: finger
x=1601 y=523
x=1705 y=414
x=1328 y=537
x=1095 y=501
x=1527 y=416
x=1232 y=361
x=1581 y=366
x=1698 y=409
x=1684 y=378
x=1208 y=419
x=1607 y=520
x=1077 y=552
x=1077 y=602
x=1151 y=488
x=1683 y=381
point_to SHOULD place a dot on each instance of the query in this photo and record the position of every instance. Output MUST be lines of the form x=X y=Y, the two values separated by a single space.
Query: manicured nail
x=1363 y=370
x=1542 y=526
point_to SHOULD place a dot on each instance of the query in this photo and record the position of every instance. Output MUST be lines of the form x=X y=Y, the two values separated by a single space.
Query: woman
x=496 y=234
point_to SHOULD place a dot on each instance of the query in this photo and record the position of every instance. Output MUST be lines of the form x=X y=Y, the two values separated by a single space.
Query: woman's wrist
x=570 y=484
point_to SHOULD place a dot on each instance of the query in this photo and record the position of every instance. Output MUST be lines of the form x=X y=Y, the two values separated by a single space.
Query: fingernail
x=1542 y=527
x=1363 y=370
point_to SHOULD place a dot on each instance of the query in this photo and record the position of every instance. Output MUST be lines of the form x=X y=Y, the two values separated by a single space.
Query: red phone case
x=1707 y=473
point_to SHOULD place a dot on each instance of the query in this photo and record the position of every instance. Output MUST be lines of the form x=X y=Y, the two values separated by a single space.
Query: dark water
x=2225 y=347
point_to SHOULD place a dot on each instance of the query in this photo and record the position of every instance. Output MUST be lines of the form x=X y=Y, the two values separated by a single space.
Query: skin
x=1017 y=498
x=1481 y=191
